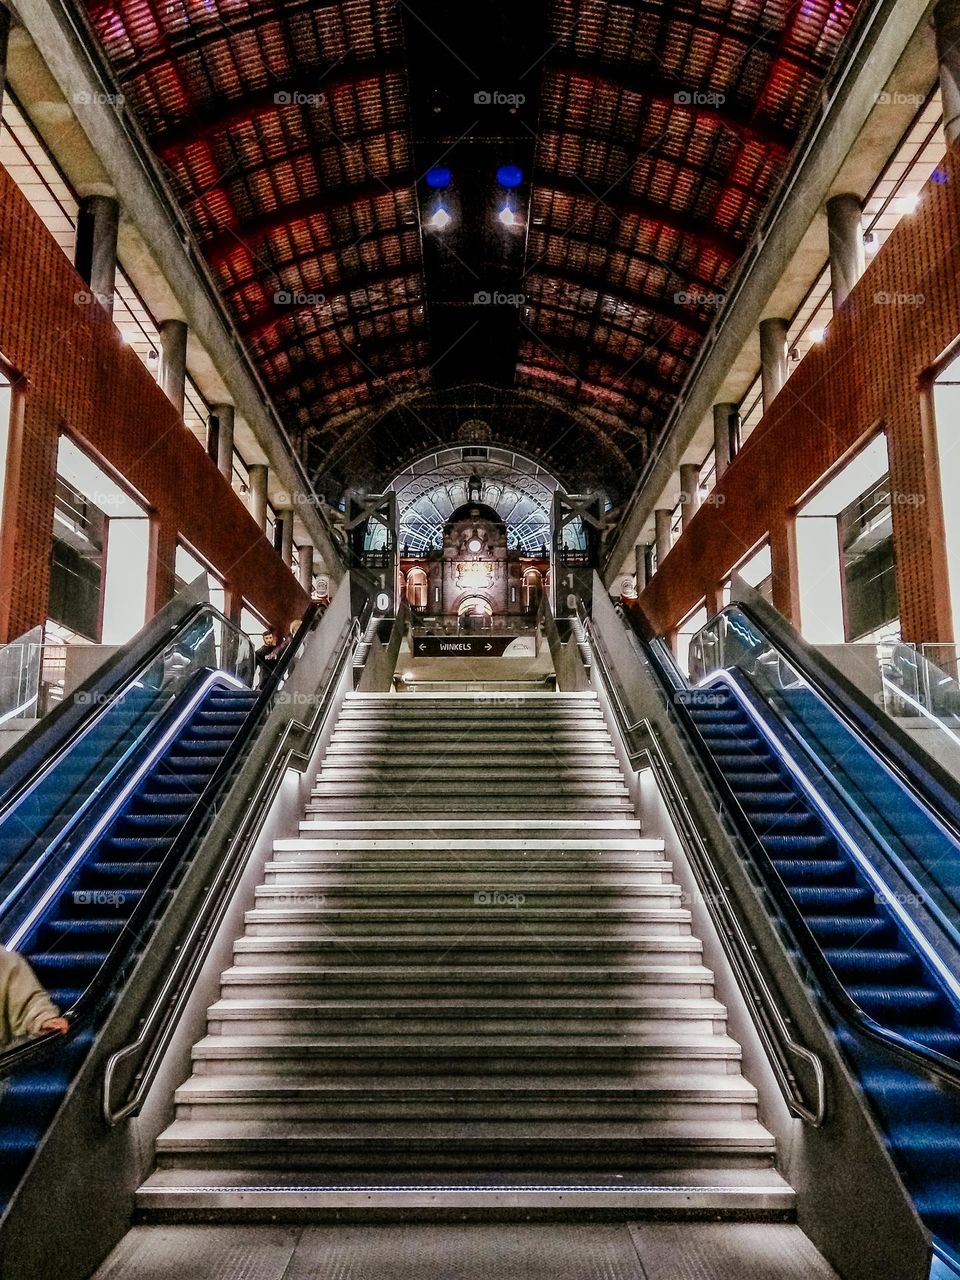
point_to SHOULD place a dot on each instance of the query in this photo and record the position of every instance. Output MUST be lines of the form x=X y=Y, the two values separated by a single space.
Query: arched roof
x=296 y=135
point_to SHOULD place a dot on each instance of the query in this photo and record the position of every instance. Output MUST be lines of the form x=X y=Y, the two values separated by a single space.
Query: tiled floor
x=534 y=1251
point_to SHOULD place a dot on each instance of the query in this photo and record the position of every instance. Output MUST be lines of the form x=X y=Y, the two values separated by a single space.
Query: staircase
x=469 y=983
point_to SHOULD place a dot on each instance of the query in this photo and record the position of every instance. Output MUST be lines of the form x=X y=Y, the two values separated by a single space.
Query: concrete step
x=382 y=1017
x=417 y=801
x=652 y=1051
x=448 y=784
x=223 y=1195
x=400 y=768
x=345 y=747
x=536 y=874
x=450 y=847
x=466 y=982
x=489 y=1145
x=434 y=925
x=295 y=890
x=248 y=1097
x=387 y=948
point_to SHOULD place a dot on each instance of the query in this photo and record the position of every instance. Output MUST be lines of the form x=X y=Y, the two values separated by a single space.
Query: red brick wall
x=870 y=372
x=75 y=375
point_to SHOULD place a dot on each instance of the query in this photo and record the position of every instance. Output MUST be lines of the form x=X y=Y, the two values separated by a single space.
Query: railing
x=772 y=1025
x=293 y=750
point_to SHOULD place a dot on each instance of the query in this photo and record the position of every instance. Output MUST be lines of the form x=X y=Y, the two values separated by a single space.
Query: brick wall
x=871 y=371
x=76 y=376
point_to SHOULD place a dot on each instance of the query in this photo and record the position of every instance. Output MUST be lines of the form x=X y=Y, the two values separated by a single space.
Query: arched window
x=532 y=590
x=417 y=589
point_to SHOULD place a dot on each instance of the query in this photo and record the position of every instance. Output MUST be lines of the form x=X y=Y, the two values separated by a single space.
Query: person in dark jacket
x=269 y=654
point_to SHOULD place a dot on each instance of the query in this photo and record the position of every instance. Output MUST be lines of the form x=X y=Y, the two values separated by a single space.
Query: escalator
x=96 y=839
x=853 y=840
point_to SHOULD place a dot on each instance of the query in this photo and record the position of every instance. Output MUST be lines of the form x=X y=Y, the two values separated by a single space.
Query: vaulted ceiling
x=297 y=136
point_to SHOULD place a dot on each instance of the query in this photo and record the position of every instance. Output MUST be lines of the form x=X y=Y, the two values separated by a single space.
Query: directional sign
x=473 y=646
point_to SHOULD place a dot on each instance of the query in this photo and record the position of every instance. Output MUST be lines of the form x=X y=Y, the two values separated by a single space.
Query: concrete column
x=286 y=535
x=257 y=495
x=224 y=413
x=689 y=492
x=306 y=566
x=95 y=256
x=845 y=233
x=640 y=552
x=723 y=450
x=4 y=41
x=773 y=359
x=173 y=361
x=946 y=25
x=663 y=518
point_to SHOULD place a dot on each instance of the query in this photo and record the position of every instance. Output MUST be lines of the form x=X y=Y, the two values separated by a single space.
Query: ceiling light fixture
x=440 y=219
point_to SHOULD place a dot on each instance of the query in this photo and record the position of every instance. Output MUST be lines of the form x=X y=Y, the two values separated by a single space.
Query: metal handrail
x=769 y=1019
x=160 y=1021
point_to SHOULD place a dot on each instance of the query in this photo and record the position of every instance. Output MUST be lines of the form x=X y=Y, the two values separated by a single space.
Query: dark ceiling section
x=284 y=130
x=297 y=135
x=474 y=87
x=664 y=128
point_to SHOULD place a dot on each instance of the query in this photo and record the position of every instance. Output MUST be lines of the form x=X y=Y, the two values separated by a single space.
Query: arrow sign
x=464 y=646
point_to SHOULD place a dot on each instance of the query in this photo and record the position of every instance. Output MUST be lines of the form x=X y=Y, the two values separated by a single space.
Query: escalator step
x=135 y=844
x=855 y=927
x=898 y=999
x=798 y=843
x=782 y=821
x=837 y=896
x=868 y=961
x=161 y=821
x=108 y=873
x=98 y=927
x=767 y=799
x=791 y=869
x=182 y=801
x=944 y=1039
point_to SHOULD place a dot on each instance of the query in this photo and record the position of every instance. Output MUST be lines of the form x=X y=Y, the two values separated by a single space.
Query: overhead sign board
x=474 y=646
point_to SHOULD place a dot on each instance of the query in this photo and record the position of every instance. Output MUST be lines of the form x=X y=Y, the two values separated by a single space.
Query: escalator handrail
x=202 y=809
x=927 y=780
x=25 y=771
x=157 y=1024
x=920 y=1056
x=781 y=1043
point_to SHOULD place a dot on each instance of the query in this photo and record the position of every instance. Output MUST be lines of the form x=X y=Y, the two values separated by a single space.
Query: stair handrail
x=102 y=981
x=158 y=1024
x=920 y=1056
x=769 y=1018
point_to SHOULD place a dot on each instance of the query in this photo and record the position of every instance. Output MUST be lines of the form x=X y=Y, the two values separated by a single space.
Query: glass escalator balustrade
x=766 y=729
x=69 y=934
x=84 y=844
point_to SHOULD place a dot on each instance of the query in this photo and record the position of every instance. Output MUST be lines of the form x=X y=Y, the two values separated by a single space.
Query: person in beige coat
x=25 y=1008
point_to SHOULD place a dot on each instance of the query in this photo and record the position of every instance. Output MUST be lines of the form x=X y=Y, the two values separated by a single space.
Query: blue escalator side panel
x=71 y=940
x=923 y=841
x=872 y=955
